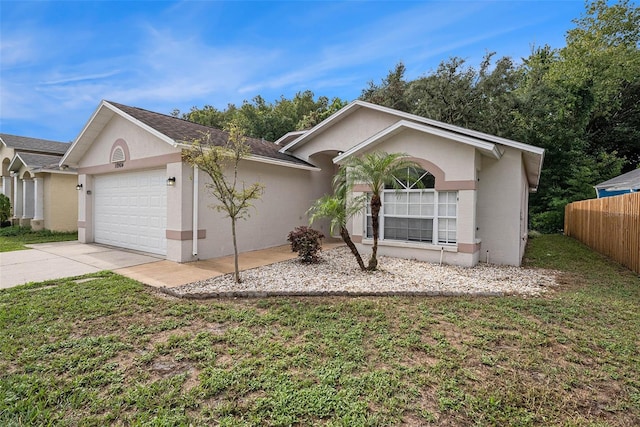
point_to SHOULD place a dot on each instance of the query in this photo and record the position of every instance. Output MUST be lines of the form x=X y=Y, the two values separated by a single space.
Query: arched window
x=412 y=210
x=413 y=179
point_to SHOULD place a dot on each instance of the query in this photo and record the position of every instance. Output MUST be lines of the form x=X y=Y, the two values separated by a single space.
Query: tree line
x=580 y=102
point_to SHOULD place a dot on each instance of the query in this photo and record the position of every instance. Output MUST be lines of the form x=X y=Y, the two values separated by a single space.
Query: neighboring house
x=42 y=194
x=626 y=183
x=138 y=193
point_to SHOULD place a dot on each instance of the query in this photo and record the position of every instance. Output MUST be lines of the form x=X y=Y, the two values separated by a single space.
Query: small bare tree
x=221 y=164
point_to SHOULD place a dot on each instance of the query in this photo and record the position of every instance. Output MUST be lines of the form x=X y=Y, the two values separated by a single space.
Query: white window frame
x=437 y=218
x=443 y=201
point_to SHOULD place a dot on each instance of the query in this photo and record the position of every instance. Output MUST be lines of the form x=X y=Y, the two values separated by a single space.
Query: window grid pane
x=410 y=215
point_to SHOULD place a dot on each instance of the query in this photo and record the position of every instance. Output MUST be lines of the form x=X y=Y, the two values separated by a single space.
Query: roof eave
x=14 y=160
x=357 y=104
x=343 y=112
x=487 y=148
x=78 y=142
x=278 y=162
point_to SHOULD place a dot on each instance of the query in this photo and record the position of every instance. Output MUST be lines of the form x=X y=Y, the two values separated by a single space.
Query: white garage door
x=130 y=210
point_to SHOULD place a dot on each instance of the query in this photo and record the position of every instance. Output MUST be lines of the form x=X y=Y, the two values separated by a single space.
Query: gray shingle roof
x=35 y=161
x=23 y=143
x=181 y=130
x=629 y=180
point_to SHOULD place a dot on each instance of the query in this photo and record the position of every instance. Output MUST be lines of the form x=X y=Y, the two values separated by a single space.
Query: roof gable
x=486 y=148
x=533 y=156
x=173 y=130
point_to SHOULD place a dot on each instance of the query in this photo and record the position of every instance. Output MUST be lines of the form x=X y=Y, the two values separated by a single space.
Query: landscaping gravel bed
x=338 y=274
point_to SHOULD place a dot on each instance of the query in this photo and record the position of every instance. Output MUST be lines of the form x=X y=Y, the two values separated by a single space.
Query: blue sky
x=58 y=59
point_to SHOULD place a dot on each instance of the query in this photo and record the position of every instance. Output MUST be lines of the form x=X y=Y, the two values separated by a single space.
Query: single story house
x=622 y=184
x=136 y=192
x=42 y=195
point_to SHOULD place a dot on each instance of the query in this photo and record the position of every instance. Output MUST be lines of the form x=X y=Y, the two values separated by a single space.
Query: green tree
x=377 y=170
x=460 y=95
x=391 y=92
x=339 y=207
x=268 y=120
x=221 y=164
x=5 y=209
x=602 y=58
x=446 y=95
x=321 y=112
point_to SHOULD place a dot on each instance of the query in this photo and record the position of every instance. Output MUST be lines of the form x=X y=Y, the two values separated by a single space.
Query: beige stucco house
x=42 y=195
x=137 y=193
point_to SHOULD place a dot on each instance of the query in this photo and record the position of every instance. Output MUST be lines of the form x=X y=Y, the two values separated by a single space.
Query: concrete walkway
x=170 y=274
x=48 y=261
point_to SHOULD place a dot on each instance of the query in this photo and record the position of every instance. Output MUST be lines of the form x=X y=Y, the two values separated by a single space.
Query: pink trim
x=468 y=248
x=361 y=188
x=148 y=162
x=441 y=183
x=125 y=149
x=184 y=234
x=456 y=185
x=82 y=224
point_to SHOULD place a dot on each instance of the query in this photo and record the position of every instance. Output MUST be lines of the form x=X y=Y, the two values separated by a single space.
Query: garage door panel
x=130 y=210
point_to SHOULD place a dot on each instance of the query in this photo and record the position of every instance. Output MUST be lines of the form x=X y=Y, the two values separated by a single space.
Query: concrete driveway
x=47 y=261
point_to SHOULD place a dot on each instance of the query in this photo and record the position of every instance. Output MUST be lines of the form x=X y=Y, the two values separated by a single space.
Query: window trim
x=435 y=241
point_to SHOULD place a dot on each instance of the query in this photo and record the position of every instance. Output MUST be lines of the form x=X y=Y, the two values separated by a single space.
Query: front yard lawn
x=15 y=238
x=107 y=350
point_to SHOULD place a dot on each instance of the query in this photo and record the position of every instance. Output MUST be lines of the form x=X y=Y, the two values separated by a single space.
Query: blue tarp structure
x=623 y=184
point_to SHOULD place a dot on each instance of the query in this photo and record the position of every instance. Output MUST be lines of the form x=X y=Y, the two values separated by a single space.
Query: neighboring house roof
x=23 y=143
x=626 y=181
x=533 y=156
x=38 y=163
x=172 y=130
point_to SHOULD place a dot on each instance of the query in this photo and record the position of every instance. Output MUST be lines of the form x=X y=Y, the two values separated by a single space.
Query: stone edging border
x=267 y=294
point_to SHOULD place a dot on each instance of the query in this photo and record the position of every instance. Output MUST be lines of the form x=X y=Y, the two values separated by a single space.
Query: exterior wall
x=288 y=194
x=143 y=151
x=351 y=131
x=499 y=208
x=454 y=166
x=140 y=145
x=6 y=155
x=60 y=202
x=524 y=212
x=456 y=160
x=85 y=209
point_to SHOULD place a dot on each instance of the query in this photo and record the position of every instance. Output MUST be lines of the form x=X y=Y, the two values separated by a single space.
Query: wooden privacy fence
x=610 y=225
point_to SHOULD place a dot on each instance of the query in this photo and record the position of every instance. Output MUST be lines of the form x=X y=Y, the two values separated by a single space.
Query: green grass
x=111 y=351
x=15 y=238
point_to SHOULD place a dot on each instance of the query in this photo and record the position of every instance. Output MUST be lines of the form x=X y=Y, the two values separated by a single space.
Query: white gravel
x=338 y=274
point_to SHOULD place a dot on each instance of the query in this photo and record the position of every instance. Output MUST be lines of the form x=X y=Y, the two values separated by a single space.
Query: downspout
x=194 y=251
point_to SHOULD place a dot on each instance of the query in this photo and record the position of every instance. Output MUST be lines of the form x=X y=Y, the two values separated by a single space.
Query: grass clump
x=15 y=238
x=110 y=351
